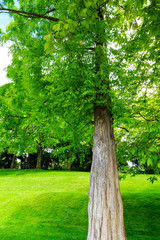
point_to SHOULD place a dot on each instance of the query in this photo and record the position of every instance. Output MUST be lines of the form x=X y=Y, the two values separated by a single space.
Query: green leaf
x=83 y=13
x=86 y=23
x=133 y=150
x=152 y=179
x=143 y=160
x=47 y=37
x=57 y=27
x=48 y=47
x=87 y=3
x=149 y=162
x=66 y=26
x=72 y=8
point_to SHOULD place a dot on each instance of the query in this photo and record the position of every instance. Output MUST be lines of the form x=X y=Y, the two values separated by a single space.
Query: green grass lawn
x=52 y=205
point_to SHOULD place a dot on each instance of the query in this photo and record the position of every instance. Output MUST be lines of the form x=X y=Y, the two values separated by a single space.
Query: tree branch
x=13 y=116
x=51 y=10
x=29 y=14
x=124 y=128
x=148 y=120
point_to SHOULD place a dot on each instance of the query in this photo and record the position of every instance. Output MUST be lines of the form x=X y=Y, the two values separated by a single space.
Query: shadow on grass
x=141 y=214
x=63 y=216
x=20 y=172
x=48 y=216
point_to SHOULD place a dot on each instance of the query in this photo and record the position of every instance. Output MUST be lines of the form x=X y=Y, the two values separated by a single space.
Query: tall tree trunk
x=13 y=161
x=28 y=162
x=105 y=207
x=69 y=164
x=39 y=156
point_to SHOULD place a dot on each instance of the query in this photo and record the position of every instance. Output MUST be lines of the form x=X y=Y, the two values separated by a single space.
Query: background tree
x=33 y=90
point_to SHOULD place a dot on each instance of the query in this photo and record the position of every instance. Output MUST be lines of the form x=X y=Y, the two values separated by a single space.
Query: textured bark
x=105 y=207
x=39 y=156
x=28 y=161
x=13 y=161
x=69 y=164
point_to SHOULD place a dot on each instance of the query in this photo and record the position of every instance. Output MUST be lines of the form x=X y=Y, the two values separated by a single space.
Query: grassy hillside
x=52 y=205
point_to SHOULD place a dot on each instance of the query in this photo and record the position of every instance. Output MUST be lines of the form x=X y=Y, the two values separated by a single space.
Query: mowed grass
x=52 y=205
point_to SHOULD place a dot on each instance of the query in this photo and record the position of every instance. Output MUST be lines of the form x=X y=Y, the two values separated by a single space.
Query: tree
x=88 y=69
x=138 y=128
x=23 y=102
x=138 y=138
x=89 y=72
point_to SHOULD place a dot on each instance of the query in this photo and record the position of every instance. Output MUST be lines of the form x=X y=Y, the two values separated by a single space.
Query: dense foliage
x=55 y=80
